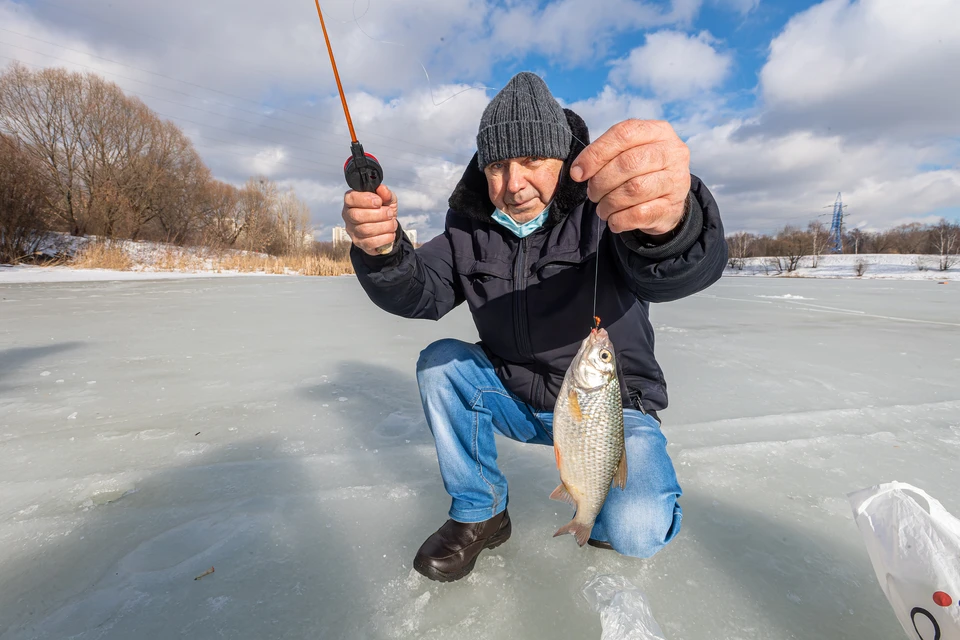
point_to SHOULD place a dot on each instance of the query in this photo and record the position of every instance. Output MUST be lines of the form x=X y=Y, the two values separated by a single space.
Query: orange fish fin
x=580 y=531
x=620 y=479
x=575 y=406
x=556 y=452
x=562 y=495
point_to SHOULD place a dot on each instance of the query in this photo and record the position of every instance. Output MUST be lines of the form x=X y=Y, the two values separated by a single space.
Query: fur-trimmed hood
x=471 y=198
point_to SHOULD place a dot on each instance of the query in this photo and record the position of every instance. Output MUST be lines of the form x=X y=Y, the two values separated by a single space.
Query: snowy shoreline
x=876 y=267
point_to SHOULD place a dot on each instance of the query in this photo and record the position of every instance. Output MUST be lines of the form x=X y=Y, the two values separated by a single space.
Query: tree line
x=77 y=155
x=791 y=244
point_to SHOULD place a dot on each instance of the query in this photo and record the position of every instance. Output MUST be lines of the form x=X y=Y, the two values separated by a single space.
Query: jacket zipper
x=520 y=300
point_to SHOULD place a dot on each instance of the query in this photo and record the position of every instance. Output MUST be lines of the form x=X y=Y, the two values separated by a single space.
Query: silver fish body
x=588 y=434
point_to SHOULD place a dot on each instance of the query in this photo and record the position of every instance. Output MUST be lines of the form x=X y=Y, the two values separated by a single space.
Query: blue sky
x=782 y=103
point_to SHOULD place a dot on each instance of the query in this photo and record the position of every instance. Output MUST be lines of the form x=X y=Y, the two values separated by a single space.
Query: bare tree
x=856 y=239
x=23 y=214
x=41 y=110
x=878 y=241
x=170 y=181
x=946 y=243
x=256 y=221
x=104 y=164
x=293 y=220
x=908 y=238
x=218 y=226
x=793 y=244
x=738 y=249
x=819 y=239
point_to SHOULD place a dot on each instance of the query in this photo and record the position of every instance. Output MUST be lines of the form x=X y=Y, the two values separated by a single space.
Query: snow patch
x=877 y=267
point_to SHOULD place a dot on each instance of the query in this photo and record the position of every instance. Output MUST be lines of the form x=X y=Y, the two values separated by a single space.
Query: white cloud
x=674 y=65
x=858 y=97
x=611 y=106
x=765 y=181
x=577 y=30
x=742 y=7
x=867 y=68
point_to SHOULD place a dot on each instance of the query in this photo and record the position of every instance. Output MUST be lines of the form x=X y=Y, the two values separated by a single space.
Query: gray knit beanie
x=524 y=119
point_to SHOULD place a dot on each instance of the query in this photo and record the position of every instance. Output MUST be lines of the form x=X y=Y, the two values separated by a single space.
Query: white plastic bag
x=624 y=612
x=914 y=544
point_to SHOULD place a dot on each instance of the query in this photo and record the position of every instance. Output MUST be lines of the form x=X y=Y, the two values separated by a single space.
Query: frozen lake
x=271 y=428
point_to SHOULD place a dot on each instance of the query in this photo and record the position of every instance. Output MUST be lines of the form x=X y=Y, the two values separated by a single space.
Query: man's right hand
x=371 y=218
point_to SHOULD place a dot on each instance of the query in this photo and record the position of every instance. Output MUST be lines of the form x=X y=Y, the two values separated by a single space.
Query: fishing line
x=596 y=279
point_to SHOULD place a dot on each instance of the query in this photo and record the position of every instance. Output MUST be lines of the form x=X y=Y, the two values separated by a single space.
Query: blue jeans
x=466 y=404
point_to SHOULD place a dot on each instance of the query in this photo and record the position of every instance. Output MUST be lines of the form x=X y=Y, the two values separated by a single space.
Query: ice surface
x=215 y=435
x=24 y=274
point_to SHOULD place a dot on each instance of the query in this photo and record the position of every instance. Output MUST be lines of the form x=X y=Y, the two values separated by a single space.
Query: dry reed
x=307 y=265
x=109 y=255
x=102 y=255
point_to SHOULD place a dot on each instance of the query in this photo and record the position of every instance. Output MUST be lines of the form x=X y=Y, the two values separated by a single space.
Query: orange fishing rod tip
x=336 y=74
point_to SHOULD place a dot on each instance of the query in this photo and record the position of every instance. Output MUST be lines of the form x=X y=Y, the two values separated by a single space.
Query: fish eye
x=605 y=355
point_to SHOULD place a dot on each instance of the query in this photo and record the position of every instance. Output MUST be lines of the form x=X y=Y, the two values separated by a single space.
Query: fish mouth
x=600 y=336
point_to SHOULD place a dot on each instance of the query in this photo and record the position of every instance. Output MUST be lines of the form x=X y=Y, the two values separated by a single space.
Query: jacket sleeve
x=409 y=282
x=689 y=262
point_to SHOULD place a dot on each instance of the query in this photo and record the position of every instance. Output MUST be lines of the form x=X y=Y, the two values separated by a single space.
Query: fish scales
x=588 y=433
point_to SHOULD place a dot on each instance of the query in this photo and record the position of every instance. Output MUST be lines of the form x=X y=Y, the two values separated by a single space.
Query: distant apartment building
x=340 y=236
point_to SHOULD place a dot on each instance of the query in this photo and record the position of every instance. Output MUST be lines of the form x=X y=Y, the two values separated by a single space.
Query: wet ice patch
x=217 y=604
x=187 y=549
x=155 y=434
x=666 y=329
x=192 y=450
x=396 y=427
x=111 y=435
x=787 y=296
x=103 y=492
x=293 y=447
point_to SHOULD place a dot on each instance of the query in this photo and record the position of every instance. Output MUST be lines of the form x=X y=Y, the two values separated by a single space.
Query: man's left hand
x=639 y=176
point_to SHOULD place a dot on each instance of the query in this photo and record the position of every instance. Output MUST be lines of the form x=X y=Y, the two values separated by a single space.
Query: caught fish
x=588 y=434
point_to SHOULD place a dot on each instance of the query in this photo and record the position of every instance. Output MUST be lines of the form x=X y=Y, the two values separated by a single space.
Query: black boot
x=450 y=553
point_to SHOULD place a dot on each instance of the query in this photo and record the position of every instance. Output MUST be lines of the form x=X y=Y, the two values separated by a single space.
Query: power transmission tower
x=836 y=227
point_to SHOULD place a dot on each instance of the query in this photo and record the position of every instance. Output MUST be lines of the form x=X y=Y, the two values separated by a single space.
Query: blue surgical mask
x=521 y=230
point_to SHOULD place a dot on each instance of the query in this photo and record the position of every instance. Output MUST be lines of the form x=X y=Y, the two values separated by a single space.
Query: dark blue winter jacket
x=532 y=299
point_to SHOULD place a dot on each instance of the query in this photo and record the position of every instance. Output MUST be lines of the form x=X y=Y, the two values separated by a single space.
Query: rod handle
x=364 y=173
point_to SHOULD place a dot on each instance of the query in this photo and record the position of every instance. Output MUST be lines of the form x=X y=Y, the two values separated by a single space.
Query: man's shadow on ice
x=15 y=358
x=294 y=540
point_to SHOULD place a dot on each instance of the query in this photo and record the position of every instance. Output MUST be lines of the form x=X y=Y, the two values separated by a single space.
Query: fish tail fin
x=579 y=530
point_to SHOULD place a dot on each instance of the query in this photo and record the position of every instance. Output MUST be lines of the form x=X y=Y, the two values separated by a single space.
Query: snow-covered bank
x=875 y=267
x=79 y=259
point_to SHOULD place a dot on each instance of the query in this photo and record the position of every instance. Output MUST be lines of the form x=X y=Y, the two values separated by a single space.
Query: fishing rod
x=362 y=170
